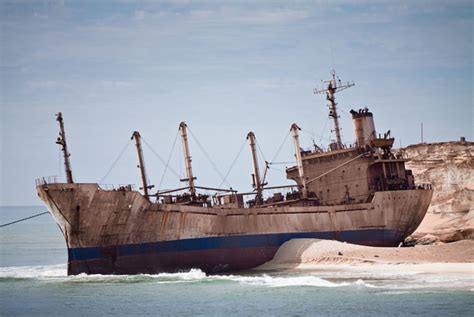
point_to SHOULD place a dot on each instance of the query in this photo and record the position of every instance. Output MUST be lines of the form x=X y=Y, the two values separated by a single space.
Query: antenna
x=422 y=132
x=330 y=88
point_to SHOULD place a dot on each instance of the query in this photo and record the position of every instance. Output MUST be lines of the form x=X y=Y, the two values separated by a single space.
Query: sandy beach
x=313 y=254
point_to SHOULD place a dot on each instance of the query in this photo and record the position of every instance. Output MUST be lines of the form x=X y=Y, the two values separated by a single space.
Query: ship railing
x=115 y=187
x=207 y=196
x=107 y=186
x=426 y=186
x=274 y=194
x=324 y=150
x=53 y=179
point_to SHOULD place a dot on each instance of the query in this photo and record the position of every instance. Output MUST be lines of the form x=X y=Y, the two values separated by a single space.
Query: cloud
x=245 y=16
x=45 y=84
x=268 y=17
x=139 y=15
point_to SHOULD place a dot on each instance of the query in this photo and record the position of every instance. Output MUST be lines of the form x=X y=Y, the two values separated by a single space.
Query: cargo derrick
x=257 y=183
x=141 y=164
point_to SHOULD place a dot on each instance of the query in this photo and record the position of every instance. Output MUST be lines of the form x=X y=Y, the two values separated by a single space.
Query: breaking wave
x=39 y=271
x=58 y=273
x=280 y=281
x=412 y=282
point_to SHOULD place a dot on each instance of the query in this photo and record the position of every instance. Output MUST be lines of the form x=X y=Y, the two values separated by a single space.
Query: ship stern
x=403 y=211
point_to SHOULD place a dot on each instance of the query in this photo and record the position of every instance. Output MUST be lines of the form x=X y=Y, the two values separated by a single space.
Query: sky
x=225 y=68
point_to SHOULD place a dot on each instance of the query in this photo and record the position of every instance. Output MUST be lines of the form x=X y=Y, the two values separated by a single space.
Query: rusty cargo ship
x=360 y=194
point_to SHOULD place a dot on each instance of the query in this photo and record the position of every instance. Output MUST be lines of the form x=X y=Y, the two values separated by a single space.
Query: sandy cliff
x=449 y=167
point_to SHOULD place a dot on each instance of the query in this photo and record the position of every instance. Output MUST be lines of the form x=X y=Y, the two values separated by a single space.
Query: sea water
x=33 y=281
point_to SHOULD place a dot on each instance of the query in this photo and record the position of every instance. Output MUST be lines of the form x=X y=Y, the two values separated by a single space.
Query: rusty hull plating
x=121 y=232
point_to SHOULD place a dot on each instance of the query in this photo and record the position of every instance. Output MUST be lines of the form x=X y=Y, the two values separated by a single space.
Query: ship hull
x=114 y=232
x=211 y=255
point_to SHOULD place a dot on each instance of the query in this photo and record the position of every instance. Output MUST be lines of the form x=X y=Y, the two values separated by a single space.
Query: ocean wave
x=58 y=273
x=39 y=271
x=360 y=282
x=280 y=281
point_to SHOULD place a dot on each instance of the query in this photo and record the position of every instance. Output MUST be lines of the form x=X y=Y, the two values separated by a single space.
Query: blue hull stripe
x=381 y=237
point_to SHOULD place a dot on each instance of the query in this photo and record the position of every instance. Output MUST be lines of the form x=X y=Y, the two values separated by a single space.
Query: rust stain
x=163 y=225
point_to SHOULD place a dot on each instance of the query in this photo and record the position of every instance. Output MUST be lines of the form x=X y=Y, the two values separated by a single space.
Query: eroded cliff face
x=449 y=167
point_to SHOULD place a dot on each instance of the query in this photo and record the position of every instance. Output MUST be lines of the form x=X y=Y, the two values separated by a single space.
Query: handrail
x=53 y=179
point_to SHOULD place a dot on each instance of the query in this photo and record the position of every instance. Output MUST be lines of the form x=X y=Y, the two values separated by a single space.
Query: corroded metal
x=61 y=140
x=169 y=237
x=187 y=158
x=256 y=180
x=141 y=162
x=299 y=162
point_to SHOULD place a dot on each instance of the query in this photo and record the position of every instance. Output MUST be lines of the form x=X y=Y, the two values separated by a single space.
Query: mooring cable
x=23 y=219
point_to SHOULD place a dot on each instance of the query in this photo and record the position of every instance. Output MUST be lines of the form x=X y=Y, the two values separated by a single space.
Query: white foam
x=363 y=283
x=388 y=282
x=279 y=281
x=40 y=271
x=193 y=274
x=259 y=280
x=431 y=281
x=59 y=273
x=163 y=278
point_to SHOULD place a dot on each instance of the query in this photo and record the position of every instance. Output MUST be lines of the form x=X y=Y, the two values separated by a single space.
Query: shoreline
x=325 y=255
x=402 y=268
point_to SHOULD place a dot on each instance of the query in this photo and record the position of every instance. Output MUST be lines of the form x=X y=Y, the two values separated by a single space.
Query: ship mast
x=334 y=86
x=141 y=162
x=187 y=159
x=61 y=140
x=257 y=184
x=299 y=161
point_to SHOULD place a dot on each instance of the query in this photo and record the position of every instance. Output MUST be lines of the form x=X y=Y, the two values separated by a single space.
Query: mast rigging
x=334 y=86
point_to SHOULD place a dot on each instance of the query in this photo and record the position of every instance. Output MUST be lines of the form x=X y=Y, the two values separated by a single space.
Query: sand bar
x=313 y=254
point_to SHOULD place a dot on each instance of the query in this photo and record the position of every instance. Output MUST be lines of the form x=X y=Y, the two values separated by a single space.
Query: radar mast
x=331 y=87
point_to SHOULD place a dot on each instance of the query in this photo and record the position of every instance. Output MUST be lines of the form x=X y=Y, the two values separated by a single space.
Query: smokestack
x=364 y=127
